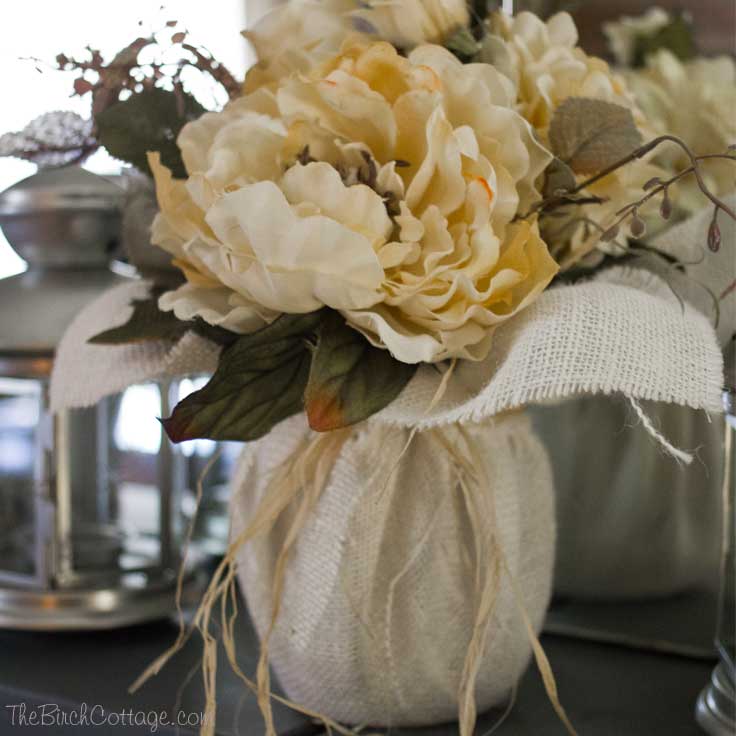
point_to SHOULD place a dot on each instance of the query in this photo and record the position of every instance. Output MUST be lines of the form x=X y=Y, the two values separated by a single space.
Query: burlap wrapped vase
x=399 y=570
x=384 y=585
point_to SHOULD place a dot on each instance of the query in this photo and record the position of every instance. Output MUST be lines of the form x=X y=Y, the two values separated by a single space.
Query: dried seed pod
x=637 y=227
x=714 y=235
x=666 y=208
x=654 y=182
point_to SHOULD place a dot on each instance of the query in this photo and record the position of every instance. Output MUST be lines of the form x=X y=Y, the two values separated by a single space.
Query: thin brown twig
x=728 y=290
x=719 y=203
x=653 y=192
x=563 y=200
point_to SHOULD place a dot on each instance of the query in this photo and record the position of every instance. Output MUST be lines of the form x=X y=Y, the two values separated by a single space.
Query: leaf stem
x=633 y=156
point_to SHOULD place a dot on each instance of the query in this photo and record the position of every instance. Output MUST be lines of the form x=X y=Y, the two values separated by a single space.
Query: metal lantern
x=92 y=500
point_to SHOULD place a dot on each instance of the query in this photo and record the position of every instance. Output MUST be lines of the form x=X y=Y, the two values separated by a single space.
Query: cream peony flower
x=294 y=37
x=179 y=228
x=410 y=23
x=381 y=186
x=695 y=101
x=300 y=33
x=547 y=67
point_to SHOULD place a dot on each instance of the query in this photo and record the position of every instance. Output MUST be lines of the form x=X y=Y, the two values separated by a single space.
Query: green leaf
x=350 y=379
x=218 y=335
x=495 y=51
x=147 y=322
x=147 y=121
x=462 y=43
x=677 y=37
x=590 y=135
x=260 y=381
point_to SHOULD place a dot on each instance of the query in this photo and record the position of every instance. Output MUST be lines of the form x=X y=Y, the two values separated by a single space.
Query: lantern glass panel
x=98 y=497
x=115 y=513
x=20 y=412
x=212 y=464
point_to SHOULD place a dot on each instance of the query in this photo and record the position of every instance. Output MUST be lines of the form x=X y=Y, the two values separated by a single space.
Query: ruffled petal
x=298 y=264
x=358 y=206
x=215 y=306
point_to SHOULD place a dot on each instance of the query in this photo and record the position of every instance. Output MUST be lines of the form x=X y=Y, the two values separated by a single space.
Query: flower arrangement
x=368 y=235
x=395 y=182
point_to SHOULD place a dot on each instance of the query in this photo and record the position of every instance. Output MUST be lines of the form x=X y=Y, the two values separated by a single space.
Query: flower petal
x=358 y=207
x=298 y=264
x=215 y=306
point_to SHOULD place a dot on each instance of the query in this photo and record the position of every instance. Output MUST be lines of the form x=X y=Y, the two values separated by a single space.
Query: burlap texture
x=378 y=604
x=622 y=332
x=83 y=373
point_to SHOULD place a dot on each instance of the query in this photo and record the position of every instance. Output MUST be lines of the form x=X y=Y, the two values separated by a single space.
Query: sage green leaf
x=558 y=179
x=495 y=51
x=146 y=323
x=147 y=121
x=259 y=381
x=677 y=37
x=462 y=43
x=350 y=379
x=590 y=135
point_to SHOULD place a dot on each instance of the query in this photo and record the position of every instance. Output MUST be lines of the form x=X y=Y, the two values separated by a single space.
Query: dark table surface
x=607 y=690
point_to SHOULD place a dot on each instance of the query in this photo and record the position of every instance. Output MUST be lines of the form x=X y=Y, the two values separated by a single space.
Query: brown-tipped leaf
x=259 y=381
x=350 y=379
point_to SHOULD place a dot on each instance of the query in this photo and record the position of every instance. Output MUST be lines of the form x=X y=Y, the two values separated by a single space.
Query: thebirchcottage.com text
x=53 y=715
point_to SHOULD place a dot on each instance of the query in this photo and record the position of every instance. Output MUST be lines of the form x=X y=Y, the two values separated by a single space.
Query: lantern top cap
x=63 y=218
x=65 y=223
x=63 y=188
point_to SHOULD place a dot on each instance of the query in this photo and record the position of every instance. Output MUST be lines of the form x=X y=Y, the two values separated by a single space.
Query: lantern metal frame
x=58 y=595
